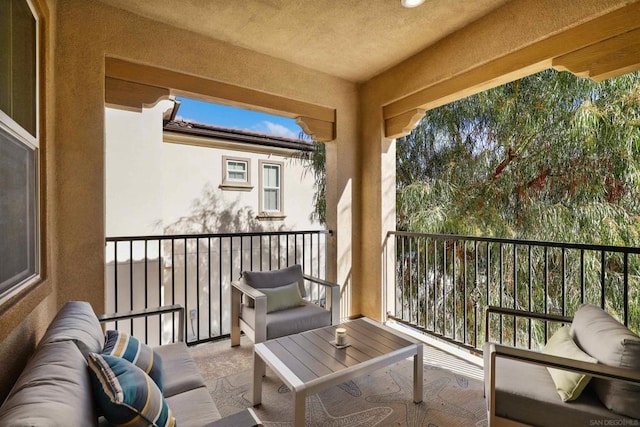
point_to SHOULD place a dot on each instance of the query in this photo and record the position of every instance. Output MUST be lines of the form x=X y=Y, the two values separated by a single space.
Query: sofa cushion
x=76 y=321
x=53 y=390
x=276 y=278
x=179 y=371
x=283 y=297
x=286 y=322
x=121 y=344
x=568 y=384
x=611 y=343
x=126 y=394
x=526 y=393
x=194 y=408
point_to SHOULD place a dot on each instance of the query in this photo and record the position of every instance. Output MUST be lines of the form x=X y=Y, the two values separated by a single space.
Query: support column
x=378 y=215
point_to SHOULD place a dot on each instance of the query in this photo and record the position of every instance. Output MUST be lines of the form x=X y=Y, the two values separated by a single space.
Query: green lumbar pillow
x=283 y=297
x=568 y=384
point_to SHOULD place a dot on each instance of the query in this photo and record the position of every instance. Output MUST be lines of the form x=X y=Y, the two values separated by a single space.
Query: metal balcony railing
x=195 y=271
x=440 y=284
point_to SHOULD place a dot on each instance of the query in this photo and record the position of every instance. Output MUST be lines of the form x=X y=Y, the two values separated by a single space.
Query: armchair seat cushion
x=291 y=321
x=525 y=392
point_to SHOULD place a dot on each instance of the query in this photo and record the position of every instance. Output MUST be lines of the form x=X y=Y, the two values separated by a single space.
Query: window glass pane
x=237 y=176
x=236 y=170
x=18 y=228
x=271 y=176
x=271 y=200
x=5 y=62
x=18 y=64
x=236 y=166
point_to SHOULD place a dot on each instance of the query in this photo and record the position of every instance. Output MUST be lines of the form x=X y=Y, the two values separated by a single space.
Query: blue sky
x=221 y=115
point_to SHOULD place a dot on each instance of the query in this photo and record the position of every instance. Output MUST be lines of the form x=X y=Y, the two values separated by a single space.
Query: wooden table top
x=310 y=356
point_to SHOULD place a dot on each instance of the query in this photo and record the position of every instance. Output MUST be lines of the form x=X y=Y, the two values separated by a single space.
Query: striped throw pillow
x=126 y=395
x=121 y=344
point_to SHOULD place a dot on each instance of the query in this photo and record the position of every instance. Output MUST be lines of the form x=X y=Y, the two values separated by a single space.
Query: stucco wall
x=82 y=33
x=155 y=179
x=133 y=170
x=24 y=318
x=81 y=132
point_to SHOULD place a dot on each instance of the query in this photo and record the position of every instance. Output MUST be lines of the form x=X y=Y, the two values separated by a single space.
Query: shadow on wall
x=195 y=268
x=211 y=214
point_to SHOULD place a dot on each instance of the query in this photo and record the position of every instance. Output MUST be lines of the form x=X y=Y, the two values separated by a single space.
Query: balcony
x=357 y=98
x=437 y=289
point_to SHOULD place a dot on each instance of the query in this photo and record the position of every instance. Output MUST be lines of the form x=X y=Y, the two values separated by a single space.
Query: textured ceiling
x=351 y=39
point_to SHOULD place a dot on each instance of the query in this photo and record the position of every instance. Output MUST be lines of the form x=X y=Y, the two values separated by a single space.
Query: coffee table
x=308 y=363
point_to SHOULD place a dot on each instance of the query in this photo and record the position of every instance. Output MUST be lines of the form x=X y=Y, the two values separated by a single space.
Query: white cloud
x=185 y=119
x=275 y=129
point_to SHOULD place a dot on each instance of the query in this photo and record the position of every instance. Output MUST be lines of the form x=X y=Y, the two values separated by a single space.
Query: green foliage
x=315 y=163
x=548 y=157
x=551 y=157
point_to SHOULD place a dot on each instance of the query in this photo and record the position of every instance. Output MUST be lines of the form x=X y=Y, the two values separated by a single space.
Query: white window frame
x=234 y=184
x=265 y=214
x=32 y=142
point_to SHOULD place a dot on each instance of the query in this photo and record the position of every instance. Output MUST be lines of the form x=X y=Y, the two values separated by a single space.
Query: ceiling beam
x=609 y=58
x=319 y=119
x=319 y=130
x=403 y=124
x=132 y=96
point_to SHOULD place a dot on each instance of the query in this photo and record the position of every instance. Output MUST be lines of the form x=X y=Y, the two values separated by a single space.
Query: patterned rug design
x=382 y=398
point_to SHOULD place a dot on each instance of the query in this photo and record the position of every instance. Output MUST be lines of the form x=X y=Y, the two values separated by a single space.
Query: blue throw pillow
x=121 y=344
x=126 y=394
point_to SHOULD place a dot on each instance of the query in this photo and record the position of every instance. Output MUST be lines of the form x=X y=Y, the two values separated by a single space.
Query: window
x=236 y=171
x=19 y=178
x=236 y=174
x=271 y=189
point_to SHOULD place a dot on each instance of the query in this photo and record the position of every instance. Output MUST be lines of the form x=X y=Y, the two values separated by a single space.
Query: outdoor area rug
x=382 y=398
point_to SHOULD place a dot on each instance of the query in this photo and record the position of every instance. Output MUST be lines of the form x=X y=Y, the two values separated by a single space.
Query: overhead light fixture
x=412 y=3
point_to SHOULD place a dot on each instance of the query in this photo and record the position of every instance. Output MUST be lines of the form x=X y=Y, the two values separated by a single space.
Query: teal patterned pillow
x=121 y=344
x=126 y=394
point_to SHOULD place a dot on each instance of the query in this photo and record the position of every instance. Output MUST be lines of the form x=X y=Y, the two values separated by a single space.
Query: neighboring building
x=162 y=175
x=168 y=177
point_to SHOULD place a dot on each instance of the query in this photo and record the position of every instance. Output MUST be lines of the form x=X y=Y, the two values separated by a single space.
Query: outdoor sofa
x=597 y=381
x=56 y=388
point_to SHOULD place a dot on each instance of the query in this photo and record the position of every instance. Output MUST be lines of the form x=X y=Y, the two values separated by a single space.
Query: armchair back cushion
x=611 y=343
x=276 y=278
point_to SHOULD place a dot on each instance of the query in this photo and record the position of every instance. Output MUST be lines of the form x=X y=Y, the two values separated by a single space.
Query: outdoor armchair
x=520 y=389
x=267 y=305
